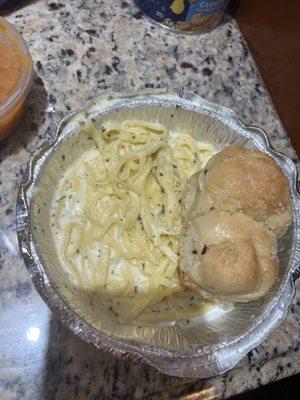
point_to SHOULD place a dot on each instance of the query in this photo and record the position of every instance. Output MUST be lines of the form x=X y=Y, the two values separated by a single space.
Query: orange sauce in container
x=15 y=77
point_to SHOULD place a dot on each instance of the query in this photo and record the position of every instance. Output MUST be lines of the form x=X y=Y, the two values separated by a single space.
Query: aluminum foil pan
x=198 y=350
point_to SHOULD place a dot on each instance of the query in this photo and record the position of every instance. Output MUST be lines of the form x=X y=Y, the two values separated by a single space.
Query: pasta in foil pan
x=121 y=292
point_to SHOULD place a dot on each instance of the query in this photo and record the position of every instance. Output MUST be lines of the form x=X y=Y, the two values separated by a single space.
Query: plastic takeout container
x=12 y=109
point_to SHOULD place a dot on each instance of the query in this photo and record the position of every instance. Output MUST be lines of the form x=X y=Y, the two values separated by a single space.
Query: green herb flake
x=112 y=310
x=63 y=197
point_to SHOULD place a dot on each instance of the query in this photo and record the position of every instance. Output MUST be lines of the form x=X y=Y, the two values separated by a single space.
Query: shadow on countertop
x=76 y=370
x=284 y=389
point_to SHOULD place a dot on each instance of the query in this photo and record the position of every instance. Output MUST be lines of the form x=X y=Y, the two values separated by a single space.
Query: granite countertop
x=79 y=49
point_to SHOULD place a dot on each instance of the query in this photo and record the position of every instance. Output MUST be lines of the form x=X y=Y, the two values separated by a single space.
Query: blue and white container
x=7 y=5
x=185 y=15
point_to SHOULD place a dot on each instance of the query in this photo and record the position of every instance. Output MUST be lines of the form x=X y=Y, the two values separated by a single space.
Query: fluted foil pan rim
x=209 y=360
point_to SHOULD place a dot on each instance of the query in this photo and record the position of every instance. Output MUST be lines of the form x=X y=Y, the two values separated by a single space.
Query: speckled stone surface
x=81 y=48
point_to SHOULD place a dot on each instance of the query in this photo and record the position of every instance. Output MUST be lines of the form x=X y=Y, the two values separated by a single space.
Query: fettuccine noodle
x=117 y=213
